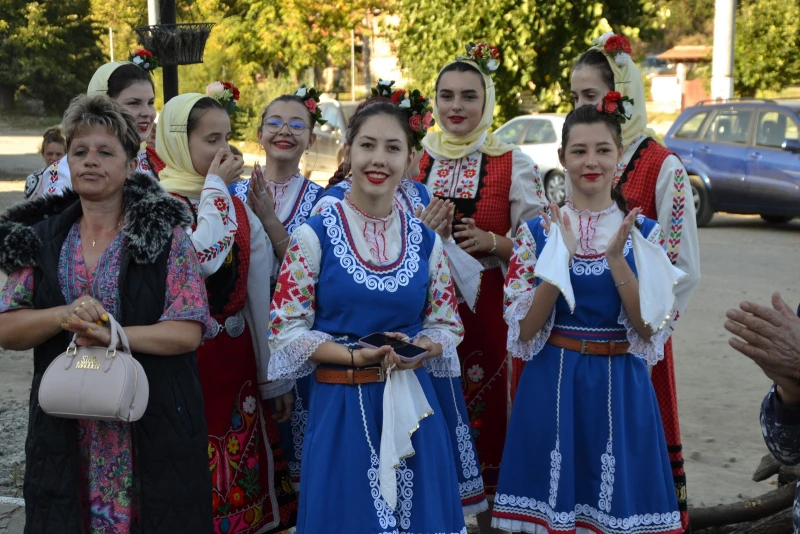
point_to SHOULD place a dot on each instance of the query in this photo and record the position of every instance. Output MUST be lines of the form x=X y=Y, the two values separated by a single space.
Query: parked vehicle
x=325 y=154
x=539 y=136
x=652 y=65
x=741 y=156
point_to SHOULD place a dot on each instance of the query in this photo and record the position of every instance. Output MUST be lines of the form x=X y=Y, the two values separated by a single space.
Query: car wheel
x=555 y=187
x=776 y=219
x=702 y=202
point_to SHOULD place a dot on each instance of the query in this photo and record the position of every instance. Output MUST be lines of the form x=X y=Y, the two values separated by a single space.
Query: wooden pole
x=170 y=72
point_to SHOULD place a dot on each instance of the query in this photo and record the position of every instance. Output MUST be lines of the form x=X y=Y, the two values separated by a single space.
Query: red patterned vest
x=642 y=175
x=490 y=206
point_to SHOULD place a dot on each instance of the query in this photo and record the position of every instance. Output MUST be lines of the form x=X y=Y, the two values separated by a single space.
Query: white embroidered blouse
x=379 y=242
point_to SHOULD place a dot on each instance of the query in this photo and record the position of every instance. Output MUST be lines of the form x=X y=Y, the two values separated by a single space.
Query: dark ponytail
x=589 y=114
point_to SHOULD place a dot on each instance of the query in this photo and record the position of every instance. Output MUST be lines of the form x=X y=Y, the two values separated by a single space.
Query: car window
x=511 y=131
x=729 y=126
x=774 y=128
x=330 y=113
x=540 y=131
x=691 y=127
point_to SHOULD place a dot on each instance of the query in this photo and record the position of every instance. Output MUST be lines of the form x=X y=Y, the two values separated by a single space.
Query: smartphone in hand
x=408 y=352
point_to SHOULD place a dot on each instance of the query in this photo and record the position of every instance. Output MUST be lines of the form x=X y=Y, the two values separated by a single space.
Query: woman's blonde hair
x=99 y=111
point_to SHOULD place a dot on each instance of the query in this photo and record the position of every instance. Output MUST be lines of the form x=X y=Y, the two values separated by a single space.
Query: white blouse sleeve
x=527 y=193
x=676 y=215
x=256 y=310
x=216 y=225
x=650 y=264
x=55 y=180
x=518 y=295
x=292 y=339
x=442 y=324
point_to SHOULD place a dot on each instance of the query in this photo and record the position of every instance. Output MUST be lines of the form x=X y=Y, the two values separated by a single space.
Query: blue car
x=742 y=157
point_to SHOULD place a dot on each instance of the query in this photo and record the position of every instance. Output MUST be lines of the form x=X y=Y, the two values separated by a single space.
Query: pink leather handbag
x=96 y=383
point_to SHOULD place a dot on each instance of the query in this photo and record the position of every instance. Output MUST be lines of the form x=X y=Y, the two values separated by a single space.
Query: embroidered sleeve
x=216 y=225
x=518 y=296
x=186 y=298
x=676 y=215
x=17 y=293
x=780 y=426
x=527 y=193
x=55 y=180
x=442 y=324
x=292 y=339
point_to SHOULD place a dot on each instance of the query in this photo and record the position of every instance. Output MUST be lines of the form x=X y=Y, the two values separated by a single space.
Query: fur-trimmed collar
x=151 y=216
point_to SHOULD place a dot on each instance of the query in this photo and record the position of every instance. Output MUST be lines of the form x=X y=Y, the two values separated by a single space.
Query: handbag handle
x=117 y=335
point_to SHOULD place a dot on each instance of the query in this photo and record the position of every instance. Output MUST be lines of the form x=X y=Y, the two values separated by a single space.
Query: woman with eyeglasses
x=283 y=198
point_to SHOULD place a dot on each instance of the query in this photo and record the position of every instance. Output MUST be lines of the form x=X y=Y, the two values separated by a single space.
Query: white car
x=539 y=136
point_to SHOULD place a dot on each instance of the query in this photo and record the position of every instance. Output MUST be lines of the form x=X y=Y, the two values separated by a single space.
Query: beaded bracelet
x=494 y=243
x=284 y=240
x=626 y=281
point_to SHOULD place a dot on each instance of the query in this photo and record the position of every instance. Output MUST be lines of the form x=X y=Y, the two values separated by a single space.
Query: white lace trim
x=651 y=351
x=517 y=311
x=446 y=365
x=292 y=361
x=635 y=524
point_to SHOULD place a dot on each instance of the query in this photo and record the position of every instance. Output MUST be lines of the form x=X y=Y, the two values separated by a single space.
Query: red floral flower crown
x=225 y=93
x=619 y=107
x=144 y=59
x=485 y=55
x=417 y=107
x=310 y=98
x=616 y=46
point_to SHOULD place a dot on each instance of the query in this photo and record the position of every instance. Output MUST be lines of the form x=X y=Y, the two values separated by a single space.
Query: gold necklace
x=94 y=239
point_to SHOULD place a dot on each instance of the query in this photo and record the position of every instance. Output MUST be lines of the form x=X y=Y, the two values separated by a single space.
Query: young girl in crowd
x=494 y=187
x=376 y=454
x=585 y=450
x=414 y=198
x=54 y=147
x=250 y=490
x=653 y=179
x=132 y=87
x=283 y=199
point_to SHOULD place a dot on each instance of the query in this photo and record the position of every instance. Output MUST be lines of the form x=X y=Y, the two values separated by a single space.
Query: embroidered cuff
x=292 y=361
x=513 y=315
x=214 y=181
x=651 y=351
x=446 y=365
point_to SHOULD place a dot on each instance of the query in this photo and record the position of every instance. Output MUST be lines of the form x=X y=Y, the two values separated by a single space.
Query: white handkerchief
x=552 y=265
x=404 y=406
x=466 y=272
x=657 y=281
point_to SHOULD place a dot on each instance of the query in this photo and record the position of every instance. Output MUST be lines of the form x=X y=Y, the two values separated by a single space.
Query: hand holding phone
x=407 y=352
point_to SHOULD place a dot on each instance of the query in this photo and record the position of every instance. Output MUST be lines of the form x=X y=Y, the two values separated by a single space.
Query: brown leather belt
x=595 y=348
x=349 y=377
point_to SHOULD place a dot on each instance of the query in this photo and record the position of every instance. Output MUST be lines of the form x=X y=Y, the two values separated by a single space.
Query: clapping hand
x=617 y=242
x=437 y=216
x=562 y=219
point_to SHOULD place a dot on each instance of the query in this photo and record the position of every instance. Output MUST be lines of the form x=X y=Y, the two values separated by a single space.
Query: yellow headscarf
x=450 y=146
x=172 y=146
x=628 y=82
x=98 y=85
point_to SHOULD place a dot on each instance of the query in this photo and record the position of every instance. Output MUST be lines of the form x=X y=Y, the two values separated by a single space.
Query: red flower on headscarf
x=397 y=96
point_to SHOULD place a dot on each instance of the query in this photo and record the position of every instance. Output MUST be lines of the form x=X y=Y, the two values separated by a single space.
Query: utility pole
x=365 y=39
x=724 y=36
x=170 y=72
x=353 y=66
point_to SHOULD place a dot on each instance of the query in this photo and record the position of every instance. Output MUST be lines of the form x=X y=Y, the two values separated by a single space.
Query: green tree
x=48 y=50
x=539 y=40
x=766 y=56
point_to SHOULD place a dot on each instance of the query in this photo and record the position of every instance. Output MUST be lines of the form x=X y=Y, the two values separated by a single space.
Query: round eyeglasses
x=296 y=126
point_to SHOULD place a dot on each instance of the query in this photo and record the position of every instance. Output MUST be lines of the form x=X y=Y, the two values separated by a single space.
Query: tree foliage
x=48 y=50
x=538 y=39
x=767 y=37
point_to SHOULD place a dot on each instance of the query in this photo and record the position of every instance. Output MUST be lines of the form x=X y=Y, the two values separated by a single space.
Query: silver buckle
x=381 y=374
x=234 y=326
x=584 y=346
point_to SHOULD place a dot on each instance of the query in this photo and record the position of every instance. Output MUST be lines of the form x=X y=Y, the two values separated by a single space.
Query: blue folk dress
x=408 y=197
x=585 y=450
x=347 y=275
